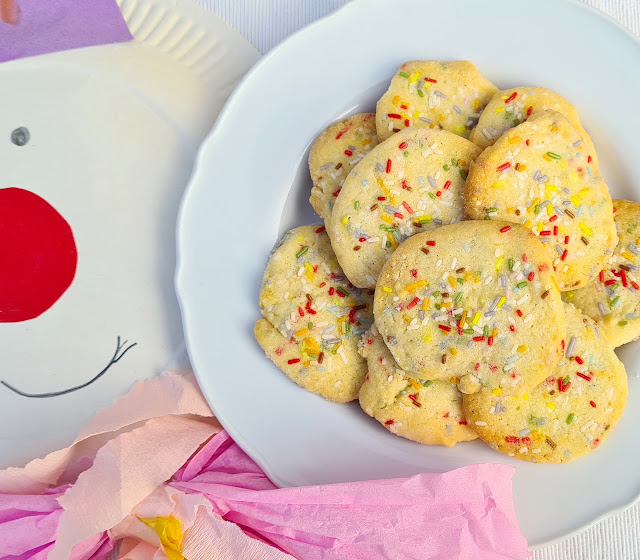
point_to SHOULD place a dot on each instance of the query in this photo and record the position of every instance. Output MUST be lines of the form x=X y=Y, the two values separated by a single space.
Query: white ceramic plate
x=114 y=134
x=251 y=184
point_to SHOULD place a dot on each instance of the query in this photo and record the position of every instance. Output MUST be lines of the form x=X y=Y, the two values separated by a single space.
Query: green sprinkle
x=446 y=167
x=460 y=280
x=404 y=74
x=623 y=323
x=536 y=209
x=485 y=331
x=347 y=328
x=405 y=153
x=521 y=285
x=566 y=380
x=387 y=228
x=458 y=297
x=614 y=286
x=614 y=301
x=492 y=209
x=302 y=251
x=388 y=244
x=511 y=263
x=437 y=306
x=468 y=331
x=454 y=161
x=357 y=205
x=516 y=122
x=463 y=174
x=554 y=155
x=427 y=383
x=423 y=220
x=420 y=93
x=309 y=325
x=436 y=294
x=432 y=195
x=570 y=418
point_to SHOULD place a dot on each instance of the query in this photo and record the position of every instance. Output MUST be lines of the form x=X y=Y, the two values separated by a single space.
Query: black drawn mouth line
x=121 y=350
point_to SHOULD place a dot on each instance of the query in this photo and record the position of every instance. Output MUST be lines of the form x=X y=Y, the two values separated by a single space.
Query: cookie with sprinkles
x=433 y=94
x=412 y=182
x=425 y=411
x=539 y=174
x=513 y=106
x=476 y=300
x=567 y=416
x=315 y=316
x=335 y=152
x=613 y=298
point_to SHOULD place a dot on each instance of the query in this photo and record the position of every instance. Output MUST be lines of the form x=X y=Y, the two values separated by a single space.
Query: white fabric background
x=266 y=23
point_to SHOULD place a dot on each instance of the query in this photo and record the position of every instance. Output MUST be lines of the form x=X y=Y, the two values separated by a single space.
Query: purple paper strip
x=45 y=26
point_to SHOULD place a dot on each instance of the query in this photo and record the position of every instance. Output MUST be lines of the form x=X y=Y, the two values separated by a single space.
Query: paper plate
x=113 y=132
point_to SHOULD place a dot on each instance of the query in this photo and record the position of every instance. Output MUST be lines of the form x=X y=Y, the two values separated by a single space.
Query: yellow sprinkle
x=527 y=223
x=627 y=255
x=394 y=200
x=413 y=287
x=445 y=304
x=386 y=218
x=452 y=281
x=563 y=164
x=396 y=100
x=425 y=304
x=427 y=338
x=573 y=176
x=494 y=333
x=569 y=295
x=414 y=77
x=525 y=396
x=497 y=391
x=416 y=114
x=415 y=384
x=310 y=275
x=460 y=129
x=384 y=187
x=551 y=406
x=392 y=240
x=638 y=241
x=365 y=142
x=308 y=267
x=575 y=201
x=551 y=188
x=387 y=289
x=501 y=302
x=476 y=318
x=499 y=263
x=522 y=349
x=515 y=140
x=476 y=104
x=555 y=282
x=545 y=156
x=500 y=110
x=454 y=352
x=468 y=277
x=585 y=229
x=302 y=331
x=404 y=115
x=498 y=185
x=345 y=220
x=522 y=166
x=550 y=210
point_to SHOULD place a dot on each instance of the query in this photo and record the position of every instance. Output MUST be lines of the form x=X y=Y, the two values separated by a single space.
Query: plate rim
x=182 y=266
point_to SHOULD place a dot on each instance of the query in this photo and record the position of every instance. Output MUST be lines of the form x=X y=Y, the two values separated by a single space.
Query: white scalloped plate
x=251 y=184
x=114 y=135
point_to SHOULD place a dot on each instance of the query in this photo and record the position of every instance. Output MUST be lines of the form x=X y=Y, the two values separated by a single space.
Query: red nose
x=38 y=255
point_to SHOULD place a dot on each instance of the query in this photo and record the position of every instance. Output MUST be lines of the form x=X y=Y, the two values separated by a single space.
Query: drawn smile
x=121 y=350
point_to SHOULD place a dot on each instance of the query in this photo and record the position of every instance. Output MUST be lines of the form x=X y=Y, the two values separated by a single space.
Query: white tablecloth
x=266 y=23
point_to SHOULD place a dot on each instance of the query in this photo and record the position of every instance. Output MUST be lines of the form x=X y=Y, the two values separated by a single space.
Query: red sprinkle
x=555 y=228
x=602 y=276
x=445 y=328
x=564 y=255
x=635 y=285
x=431 y=80
x=505 y=229
x=362 y=239
x=512 y=439
x=414 y=272
x=348 y=153
x=553 y=219
x=336 y=193
x=403 y=145
x=322 y=285
x=478 y=338
x=579 y=360
x=404 y=184
x=389 y=422
x=490 y=341
x=439 y=193
x=393 y=116
x=320 y=229
x=447 y=185
x=431 y=243
x=512 y=328
x=406 y=122
x=566 y=240
x=413 y=303
x=545 y=233
x=463 y=422
x=511 y=97
x=504 y=166
x=584 y=376
x=529 y=111
x=609 y=282
x=300 y=311
x=407 y=207
x=623 y=275
x=531 y=276
x=589 y=159
x=352 y=316
x=524 y=257
x=331 y=291
x=477 y=366
x=382 y=198
x=388 y=165
x=518 y=312
x=592 y=404
x=526 y=141
x=293 y=361
x=563 y=388
x=398 y=215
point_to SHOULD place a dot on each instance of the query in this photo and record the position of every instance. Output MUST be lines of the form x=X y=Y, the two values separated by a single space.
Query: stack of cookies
x=472 y=276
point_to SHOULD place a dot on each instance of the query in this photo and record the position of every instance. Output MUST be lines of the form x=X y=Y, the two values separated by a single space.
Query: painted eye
x=21 y=136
